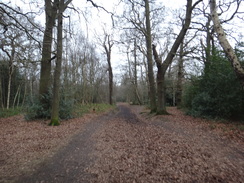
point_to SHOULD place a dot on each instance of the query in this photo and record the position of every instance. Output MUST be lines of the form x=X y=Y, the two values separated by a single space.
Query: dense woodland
x=191 y=57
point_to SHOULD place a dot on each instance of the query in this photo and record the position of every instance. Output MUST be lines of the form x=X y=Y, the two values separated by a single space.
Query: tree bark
x=16 y=96
x=57 y=73
x=152 y=91
x=108 y=49
x=179 y=77
x=161 y=107
x=180 y=37
x=136 y=93
x=164 y=66
x=110 y=71
x=10 y=70
x=10 y=73
x=24 y=95
x=45 y=76
x=229 y=51
x=51 y=9
x=208 y=41
x=1 y=94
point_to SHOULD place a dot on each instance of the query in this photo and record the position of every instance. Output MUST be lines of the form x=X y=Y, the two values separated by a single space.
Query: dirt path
x=126 y=147
x=70 y=163
x=131 y=148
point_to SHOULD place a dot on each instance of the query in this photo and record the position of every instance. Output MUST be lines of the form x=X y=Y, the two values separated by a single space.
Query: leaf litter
x=172 y=148
x=25 y=145
x=131 y=146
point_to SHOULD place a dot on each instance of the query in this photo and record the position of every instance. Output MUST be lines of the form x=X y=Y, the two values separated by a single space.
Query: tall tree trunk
x=10 y=72
x=9 y=85
x=107 y=44
x=16 y=96
x=164 y=66
x=179 y=77
x=135 y=73
x=208 y=40
x=45 y=77
x=110 y=71
x=147 y=93
x=57 y=73
x=161 y=107
x=181 y=35
x=24 y=95
x=1 y=94
x=229 y=51
x=152 y=92
x=128 y=97
x=136 y=93
x=51 y=8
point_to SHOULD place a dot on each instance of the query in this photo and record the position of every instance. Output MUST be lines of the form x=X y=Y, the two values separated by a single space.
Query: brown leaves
x=23 y=145
x=172 y=148
x=164 y=149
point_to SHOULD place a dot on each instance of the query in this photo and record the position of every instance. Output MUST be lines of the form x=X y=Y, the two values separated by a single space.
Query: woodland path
x=128 y=146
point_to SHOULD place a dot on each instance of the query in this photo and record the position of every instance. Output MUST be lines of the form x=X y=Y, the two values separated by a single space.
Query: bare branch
x=235 y=12
x=100 y=7
x=17 y=23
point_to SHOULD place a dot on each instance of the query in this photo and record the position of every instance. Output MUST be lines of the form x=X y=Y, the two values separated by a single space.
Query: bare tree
x=11 y=56
x=14 y=17
x=143 y=16
x=185 y=50
x=57 y=73
x=229 y=51
x=136 y=93
x=180 y=75
x=163 y=66
x=107 y=45
x=19 y=29
x=130 y=39
x=148 y=36
x=51 y=11
x=45 y=77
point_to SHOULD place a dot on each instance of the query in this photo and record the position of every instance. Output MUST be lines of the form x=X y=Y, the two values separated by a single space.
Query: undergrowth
x=81 y=109
x=4 y=113
x=78 y=111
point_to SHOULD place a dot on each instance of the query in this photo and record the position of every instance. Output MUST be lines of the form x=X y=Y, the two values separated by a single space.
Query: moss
x=153 y=111
x=163 y=112
x=54 y=122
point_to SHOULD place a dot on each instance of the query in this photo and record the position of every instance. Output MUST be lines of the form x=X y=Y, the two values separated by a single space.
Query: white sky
x=100 y=17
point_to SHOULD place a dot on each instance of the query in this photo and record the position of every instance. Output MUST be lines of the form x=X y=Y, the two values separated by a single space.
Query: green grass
x=82 y=109
x=4 y=113
x=79 y=110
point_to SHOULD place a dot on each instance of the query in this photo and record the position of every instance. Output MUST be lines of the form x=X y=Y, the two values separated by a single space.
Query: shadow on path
x=70 y=163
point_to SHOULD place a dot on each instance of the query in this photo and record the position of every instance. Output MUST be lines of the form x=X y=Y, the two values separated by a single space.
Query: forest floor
x=124 y=145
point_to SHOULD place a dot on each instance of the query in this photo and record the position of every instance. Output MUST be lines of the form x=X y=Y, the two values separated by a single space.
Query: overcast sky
x=97 y=18
x=100 y=17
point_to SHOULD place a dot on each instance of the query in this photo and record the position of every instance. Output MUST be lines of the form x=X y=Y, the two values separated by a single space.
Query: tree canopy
x=57 y=54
